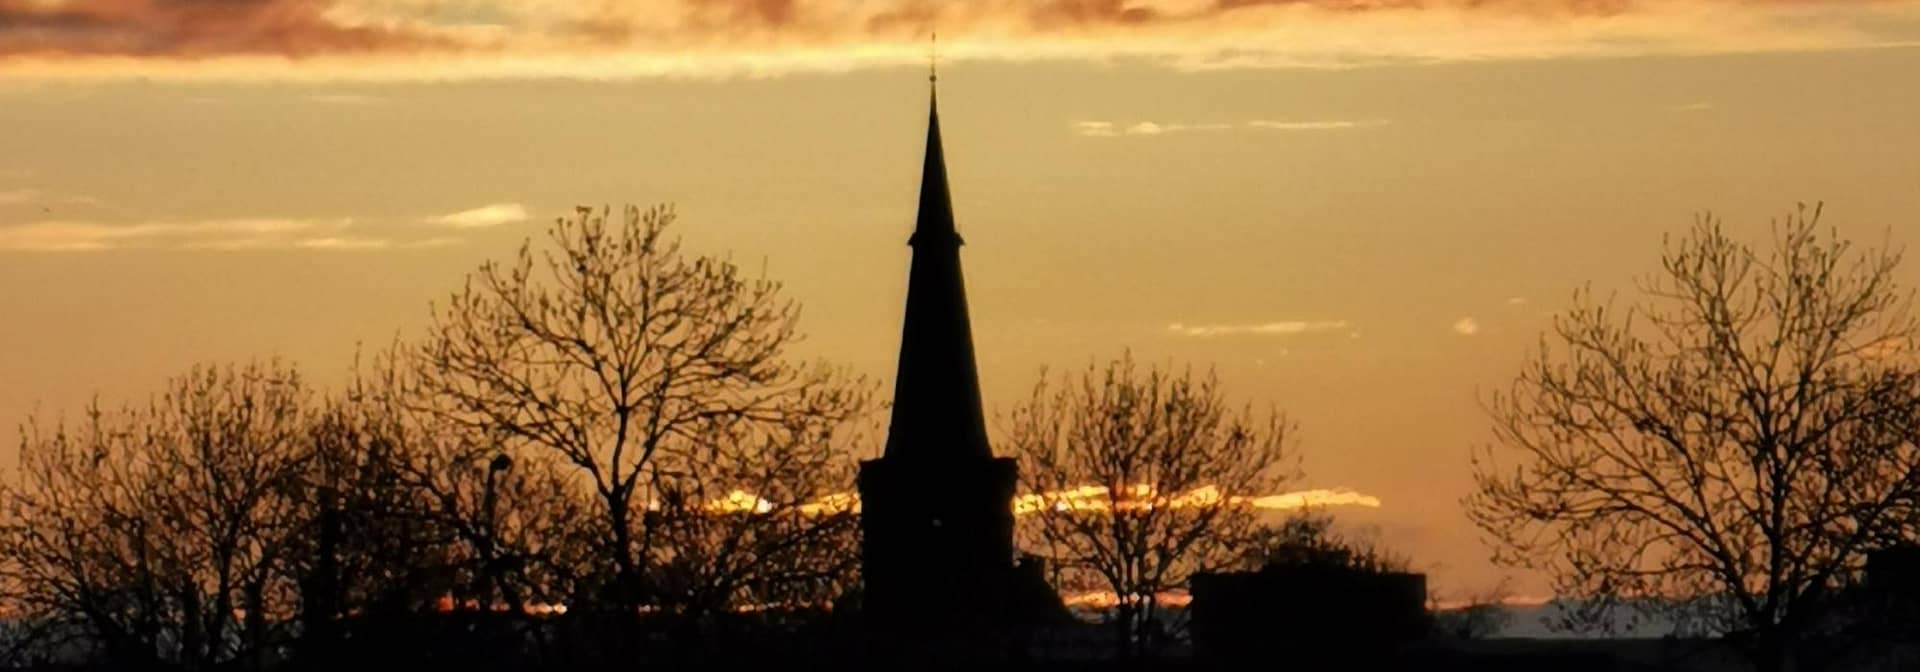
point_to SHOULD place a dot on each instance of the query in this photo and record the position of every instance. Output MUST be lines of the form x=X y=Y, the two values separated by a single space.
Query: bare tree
x=77 y=564
x=151 y=530
x=619 y=354
x=232 y=444
x=756 y=517
x=499 y=519
x=1137 y=479
x=369 y=547
x=1724 y=451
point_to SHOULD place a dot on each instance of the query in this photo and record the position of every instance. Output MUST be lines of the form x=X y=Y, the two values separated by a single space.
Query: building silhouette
x=1306 y=613
x=936 y=506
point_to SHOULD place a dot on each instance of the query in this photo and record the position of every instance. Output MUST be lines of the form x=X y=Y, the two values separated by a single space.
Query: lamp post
x=488 y=564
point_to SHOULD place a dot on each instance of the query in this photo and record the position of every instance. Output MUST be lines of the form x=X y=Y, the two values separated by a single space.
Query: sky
x=1362 y=212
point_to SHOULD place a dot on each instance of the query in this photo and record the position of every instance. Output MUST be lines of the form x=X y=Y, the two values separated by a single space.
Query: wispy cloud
x=1146 y=128
x=1151 y=128
x=1516 y=300
x=483 y=217
x=420 y=39
x=1316 y=125
x=86 y=236
x=20 y=196
x=1700 y=106
x=1108 y=129
x=1333 y=125
x=1466 y=326
x=1097 y=129
x=343 y=243
x=40 y=198
x=1283 y=328
x=444 y=241
x=1317 y=498
x=346 y=99
x=212 y=235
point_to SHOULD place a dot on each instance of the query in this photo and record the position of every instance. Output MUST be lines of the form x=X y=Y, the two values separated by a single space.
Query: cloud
x=1145 y=128
x=19 y=196
x=444 y=241
x=78 y=236
x=214 y=235
x=1108 y=129
x=347 y=99
x=427 y=39
x=1691 y=107
x=1317 y=498
x=55 y=236
x=1516 y=300
x=483 y=217
x=1151 y=128
x=1466 y=326
x=1098 y=129
x=175 y=30
x=41 y=199
x=1287 y=328
x=343 y=243
x=1335 y=125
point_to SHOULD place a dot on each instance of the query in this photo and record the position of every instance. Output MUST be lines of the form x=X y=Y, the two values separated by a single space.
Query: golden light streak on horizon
x=738 y=501
x=1107 y=599
x=1508 y=601
x=1092 y=599
x=1143 y=497
x=1139 y=497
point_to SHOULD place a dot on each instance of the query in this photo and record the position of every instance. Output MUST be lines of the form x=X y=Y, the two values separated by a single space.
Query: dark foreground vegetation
x=603 y=454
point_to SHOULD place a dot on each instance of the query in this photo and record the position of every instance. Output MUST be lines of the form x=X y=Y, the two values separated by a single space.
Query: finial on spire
x=933 y=58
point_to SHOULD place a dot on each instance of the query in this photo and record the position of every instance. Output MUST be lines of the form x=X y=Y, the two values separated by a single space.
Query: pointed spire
x=935 y=223
x=936 y=400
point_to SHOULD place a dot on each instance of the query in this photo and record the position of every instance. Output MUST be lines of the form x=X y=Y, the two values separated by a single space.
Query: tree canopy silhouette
x=1135 y=473
x=148 y=529
x=1723 y=451
x=665 y=378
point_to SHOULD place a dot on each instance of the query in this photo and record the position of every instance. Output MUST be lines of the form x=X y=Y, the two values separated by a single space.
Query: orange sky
x=1359 y=211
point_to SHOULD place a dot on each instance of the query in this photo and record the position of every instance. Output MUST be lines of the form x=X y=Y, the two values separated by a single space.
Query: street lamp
x=500 y=463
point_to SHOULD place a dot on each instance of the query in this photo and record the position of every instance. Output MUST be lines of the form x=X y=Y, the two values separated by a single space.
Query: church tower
x=936 y=507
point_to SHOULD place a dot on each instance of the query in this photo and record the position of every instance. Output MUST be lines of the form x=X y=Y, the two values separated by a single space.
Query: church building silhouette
x=937 y=506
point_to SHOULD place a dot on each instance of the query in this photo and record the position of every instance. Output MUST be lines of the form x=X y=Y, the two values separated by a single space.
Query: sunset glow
x=1084 y=498
x=1362 y=215
x=1107 y=599
x=412 y=40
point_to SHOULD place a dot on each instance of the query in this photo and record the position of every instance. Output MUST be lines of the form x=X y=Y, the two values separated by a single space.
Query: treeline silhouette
x=603 y=453
x=600 y=453
x=1725 y=452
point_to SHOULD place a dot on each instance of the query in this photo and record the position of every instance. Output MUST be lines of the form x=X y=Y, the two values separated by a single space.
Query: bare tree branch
x=1724 y=451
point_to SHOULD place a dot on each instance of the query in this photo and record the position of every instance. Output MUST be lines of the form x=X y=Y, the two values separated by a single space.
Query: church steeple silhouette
x=936 y=507
x=936 y=399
